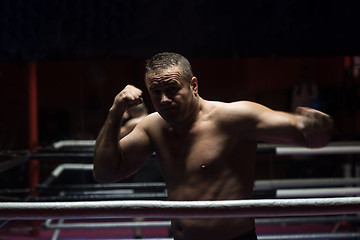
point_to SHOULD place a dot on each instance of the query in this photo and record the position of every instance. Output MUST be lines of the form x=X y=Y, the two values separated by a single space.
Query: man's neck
x=185 y=126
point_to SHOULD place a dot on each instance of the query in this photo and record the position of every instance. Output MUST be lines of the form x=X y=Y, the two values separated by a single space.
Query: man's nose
x=164 y=98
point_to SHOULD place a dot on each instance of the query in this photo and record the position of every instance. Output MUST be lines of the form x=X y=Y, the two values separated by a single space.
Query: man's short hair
x=165 y=60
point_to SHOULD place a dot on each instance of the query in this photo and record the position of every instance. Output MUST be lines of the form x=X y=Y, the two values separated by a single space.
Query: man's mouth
x=167 y=108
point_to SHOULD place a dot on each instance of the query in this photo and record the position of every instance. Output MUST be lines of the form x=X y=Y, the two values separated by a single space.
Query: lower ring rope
x=178 y=209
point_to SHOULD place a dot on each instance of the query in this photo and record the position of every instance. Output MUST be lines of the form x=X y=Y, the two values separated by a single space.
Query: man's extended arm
x=306 y=127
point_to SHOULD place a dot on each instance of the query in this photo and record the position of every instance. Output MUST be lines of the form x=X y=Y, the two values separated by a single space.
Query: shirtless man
x=206 y=149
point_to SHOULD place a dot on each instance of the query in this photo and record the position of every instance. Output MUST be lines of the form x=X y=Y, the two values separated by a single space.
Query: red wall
x=74 y=97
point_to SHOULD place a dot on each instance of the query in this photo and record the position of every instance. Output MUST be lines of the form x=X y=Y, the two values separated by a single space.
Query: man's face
x=170 y=94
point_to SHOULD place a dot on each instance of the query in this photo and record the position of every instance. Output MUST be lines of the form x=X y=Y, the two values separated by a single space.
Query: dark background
x=93 y=29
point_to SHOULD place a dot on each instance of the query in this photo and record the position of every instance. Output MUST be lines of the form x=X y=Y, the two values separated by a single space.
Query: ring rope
x=344 y=235
x=49 y=224
x=258 y=184
x=148 y=224
x=318 y=192
x=329 y=150
x=178 y=209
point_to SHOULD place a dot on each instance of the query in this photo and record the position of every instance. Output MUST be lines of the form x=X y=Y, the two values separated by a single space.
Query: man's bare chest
x=204 y=147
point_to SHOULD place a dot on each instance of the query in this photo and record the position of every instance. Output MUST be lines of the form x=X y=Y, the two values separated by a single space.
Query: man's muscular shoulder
x=232 y=112
x=235 y=117
x=152 y=122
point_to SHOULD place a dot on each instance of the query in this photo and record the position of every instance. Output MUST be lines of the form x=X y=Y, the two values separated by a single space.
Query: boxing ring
x=334 y=200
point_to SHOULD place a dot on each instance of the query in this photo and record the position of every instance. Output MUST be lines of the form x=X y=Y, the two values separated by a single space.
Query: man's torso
x=210 y=161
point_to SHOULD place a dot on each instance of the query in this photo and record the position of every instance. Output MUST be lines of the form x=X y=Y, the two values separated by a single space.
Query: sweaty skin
x=206 y=149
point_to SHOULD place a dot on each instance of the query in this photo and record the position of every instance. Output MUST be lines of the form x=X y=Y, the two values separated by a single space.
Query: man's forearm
x=107 y=150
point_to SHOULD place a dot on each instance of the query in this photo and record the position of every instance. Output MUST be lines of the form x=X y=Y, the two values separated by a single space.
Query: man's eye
x=155 y=91
x=172 y=89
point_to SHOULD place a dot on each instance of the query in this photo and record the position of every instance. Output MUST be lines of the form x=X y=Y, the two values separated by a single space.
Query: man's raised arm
x=109 y=160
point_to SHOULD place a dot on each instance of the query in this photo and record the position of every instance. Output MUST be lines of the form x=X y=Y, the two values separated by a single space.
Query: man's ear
x=194 y=85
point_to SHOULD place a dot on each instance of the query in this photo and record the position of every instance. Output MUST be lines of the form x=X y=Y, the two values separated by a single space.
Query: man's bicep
x=136 y=148
x=273 y=126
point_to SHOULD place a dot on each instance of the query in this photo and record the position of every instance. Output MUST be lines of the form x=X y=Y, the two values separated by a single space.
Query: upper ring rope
x=177 y=209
